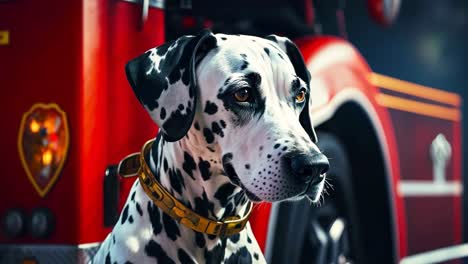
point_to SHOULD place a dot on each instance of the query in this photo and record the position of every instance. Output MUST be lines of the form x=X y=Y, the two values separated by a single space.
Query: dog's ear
x=164 y=80
x=300 y=68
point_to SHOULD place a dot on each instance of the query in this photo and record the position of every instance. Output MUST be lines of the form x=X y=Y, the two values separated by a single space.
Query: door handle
x=145 y=5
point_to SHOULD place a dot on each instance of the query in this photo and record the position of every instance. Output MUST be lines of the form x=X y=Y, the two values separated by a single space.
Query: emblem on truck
x=43 y=142
x=440 y=152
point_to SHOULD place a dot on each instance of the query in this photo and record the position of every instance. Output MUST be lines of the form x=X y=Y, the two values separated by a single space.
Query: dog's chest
x=143 y=234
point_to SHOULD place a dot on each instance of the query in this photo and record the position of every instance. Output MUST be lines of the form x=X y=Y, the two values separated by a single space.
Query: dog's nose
x=308 y=168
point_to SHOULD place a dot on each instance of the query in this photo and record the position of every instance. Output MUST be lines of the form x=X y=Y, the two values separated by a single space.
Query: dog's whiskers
x=328 y=184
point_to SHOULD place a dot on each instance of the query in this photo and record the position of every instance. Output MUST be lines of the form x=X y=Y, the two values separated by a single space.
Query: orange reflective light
x=34 y=126
x=47 y=157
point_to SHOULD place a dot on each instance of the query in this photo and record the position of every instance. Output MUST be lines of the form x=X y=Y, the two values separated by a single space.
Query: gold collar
x=135 y=164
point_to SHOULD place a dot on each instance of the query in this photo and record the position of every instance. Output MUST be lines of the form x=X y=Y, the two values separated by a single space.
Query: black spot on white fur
x=203 y=205
x=155 y=218
x=153 y=249
x=241 y=256
x=229 y=169
x=108 y=258
x=175 y=119
x=138 y=208
x=224 y=192
x=234 y=238
x=176 y=179
x=217 y=129
x=184 y=257
x=199 y=240
x=189 y=164
x=124 y=215
x=204 y=167
x=208 y=135
x=223 y=123
x=210 y=149
x=216 y=255
x=211 y=108
x=171 y=227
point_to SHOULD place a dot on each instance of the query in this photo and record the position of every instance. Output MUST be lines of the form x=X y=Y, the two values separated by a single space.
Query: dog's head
x=244 y=97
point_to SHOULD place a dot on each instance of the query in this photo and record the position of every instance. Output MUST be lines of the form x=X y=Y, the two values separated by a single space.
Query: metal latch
x=145 y=5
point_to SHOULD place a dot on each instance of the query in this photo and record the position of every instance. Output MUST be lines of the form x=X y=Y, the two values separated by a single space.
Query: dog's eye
x=300 y=96
x=242 y=95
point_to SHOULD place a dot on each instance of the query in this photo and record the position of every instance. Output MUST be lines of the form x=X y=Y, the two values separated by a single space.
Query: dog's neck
x=193 y=172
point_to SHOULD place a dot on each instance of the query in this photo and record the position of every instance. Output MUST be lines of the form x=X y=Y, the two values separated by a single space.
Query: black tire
x=302 y=233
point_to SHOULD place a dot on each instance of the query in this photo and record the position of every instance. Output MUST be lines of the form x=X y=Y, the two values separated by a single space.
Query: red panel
x=73 y=53
x=259 y=223
x=414 y=134
x=113 y=124
x=41 y=64
x=457 y=176
x=431 y=222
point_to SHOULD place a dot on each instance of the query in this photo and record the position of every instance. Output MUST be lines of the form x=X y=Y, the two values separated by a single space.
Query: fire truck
x=69 y=116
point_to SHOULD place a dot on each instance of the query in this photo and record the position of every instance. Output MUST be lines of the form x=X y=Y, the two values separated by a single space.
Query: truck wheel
x=325 y=233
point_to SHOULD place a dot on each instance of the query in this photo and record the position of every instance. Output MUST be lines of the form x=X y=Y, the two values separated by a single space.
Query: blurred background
x=427 y=44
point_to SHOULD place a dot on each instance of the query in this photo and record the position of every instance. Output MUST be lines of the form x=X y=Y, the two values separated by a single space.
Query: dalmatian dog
x=233 y=113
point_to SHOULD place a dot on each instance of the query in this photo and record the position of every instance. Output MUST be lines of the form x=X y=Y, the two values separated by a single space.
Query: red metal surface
x=375 y=8
x=457 y=175
x=431 y=222
x=74 y=58
x=414 y=135
x=259 y=222
x=113 y=123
